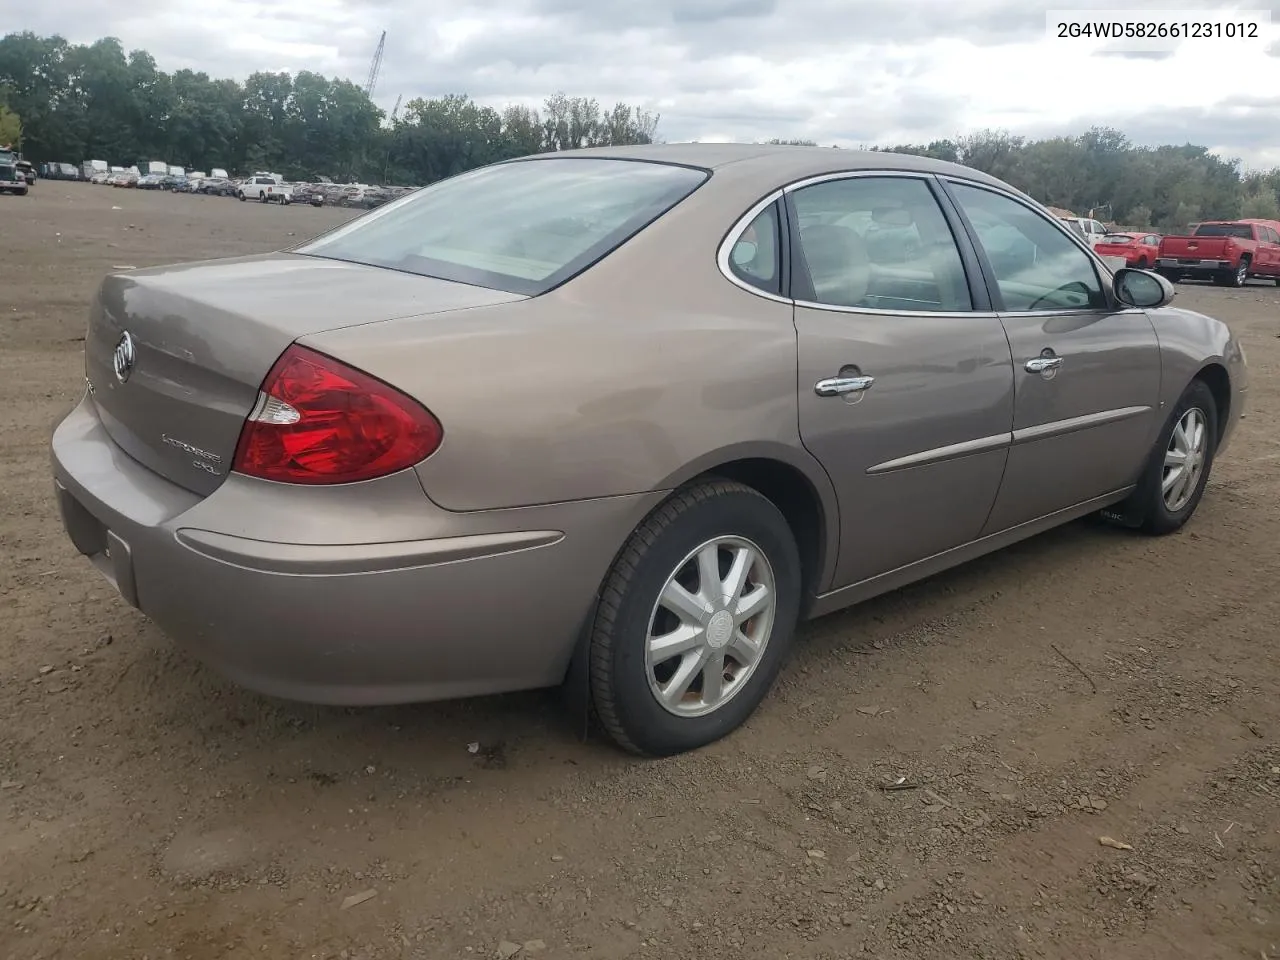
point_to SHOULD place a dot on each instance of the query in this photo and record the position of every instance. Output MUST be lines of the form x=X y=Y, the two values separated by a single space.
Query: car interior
x=882 y=252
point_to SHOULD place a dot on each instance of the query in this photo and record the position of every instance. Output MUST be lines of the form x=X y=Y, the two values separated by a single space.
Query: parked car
x=1228 y=252
x=11 y=179
x=217 y=186
x=266 y=189
x=62 y=171
x=542 y=420
x=309 y=193
x=1093 y=230
x=27 y=171
x=151 y=181
x=374 y=197
x=1139 y=250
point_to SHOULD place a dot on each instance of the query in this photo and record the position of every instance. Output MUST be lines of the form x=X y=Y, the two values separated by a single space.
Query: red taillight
x=320 y=421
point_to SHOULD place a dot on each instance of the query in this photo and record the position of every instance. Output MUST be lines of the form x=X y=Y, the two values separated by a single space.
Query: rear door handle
x=842 y=386
x=1041 y=364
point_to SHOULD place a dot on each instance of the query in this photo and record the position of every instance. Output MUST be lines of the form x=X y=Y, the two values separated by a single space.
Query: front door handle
x=842 y=386
x=1041 y=364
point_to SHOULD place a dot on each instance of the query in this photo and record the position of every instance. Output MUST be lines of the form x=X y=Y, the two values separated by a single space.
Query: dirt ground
x=149 y=809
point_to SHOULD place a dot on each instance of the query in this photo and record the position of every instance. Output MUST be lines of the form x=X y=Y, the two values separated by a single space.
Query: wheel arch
x=790 y=479
x=1215 y=377
x=796 y=484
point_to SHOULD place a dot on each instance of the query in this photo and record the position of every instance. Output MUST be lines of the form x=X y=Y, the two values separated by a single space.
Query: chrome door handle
x=1041 y=364
x=842 y=386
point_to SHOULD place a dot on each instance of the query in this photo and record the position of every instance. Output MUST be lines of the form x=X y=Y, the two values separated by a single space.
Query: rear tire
x=657 y=600
x=1162 y=503
x=1141 y=264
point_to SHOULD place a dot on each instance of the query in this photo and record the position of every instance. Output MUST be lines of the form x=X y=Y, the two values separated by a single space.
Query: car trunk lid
x=174 y=356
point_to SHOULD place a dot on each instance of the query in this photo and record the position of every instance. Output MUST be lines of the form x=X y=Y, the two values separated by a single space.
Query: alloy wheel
x=1184 y=459
x=710 y=626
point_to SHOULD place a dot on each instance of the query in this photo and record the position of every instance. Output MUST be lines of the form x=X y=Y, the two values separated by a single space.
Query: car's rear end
x=1122 y=245
x=1212 y=252
x=258 y=497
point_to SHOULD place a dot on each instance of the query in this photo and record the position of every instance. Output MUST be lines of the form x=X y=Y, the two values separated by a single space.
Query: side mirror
x=1142 y=288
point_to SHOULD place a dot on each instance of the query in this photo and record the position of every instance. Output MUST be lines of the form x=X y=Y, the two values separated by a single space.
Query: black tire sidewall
x=1159 y=519
x=649 y=726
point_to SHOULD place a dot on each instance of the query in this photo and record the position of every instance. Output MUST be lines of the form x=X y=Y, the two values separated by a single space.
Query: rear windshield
x=523 y=227
x=1117 y=238
x=1241 y=230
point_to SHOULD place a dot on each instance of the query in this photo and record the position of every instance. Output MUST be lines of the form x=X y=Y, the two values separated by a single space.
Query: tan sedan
x=622 y=414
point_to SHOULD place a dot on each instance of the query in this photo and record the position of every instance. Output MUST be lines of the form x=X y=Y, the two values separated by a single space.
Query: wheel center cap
x=719 y=629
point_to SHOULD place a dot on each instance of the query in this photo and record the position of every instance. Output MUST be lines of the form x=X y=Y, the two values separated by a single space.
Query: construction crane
x=396 y=109
x=376 y=67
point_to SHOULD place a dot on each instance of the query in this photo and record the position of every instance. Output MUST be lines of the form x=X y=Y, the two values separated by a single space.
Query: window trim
x=781 y=240
x=1106 y=277
x=982 y=287
x=739 y=227
x=795 y=269
x=979 y=302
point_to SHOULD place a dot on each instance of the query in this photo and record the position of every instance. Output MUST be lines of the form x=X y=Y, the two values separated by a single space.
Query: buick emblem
x=124 y=357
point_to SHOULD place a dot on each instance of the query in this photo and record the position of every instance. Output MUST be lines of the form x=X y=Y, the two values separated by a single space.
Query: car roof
x=782 y=162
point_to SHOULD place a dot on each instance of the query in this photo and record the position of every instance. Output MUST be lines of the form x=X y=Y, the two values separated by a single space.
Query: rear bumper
x=1196 y=266
x=364 y=595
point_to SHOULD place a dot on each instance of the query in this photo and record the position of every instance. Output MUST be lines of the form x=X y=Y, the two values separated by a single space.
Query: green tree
x=99 y=101
x=1259 y=205
x=10 y=128
x=1139 y=216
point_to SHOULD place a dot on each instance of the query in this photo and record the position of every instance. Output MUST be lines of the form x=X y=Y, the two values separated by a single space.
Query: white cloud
x=837 y=71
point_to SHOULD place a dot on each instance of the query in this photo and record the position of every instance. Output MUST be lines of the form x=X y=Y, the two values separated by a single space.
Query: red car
x=1138 y=249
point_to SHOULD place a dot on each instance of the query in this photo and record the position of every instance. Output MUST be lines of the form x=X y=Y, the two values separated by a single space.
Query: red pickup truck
x=1226 y=252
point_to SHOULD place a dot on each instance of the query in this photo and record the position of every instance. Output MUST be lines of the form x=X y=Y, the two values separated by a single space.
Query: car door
x=1086 y=369
x=905 y=379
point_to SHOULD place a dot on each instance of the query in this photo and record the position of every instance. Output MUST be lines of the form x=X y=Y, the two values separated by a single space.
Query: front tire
x=1173 y=482
x=695 y=619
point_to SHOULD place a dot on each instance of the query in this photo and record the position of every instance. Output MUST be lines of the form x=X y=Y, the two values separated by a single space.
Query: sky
x=846 y=72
